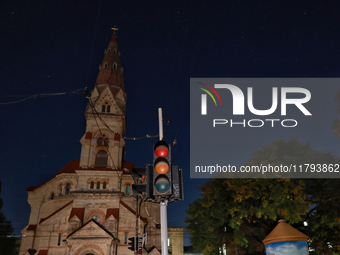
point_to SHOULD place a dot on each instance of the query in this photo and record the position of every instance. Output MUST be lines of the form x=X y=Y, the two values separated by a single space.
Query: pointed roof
x=112 y=211
x=92 y=221
x=79 y=212
x=111 y=70
x=284 y=232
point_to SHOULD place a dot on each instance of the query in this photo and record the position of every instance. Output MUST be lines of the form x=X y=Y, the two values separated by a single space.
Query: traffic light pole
x=164 y=226
x=163 y=204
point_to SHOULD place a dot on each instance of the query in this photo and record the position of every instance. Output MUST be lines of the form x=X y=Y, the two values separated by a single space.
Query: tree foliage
x=242 y=212
x=7 y=243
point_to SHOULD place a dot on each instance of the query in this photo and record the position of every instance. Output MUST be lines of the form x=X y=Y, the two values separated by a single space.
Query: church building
x=88 y=208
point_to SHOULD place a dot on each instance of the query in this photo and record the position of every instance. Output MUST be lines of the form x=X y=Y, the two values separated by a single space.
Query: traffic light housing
x=139 y=243
x=162 y=185
x=177 y=184
x=132 y=243
x=144 y=175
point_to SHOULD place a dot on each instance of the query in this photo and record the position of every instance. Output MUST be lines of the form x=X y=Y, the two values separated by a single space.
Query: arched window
x=108 y=108
x=101 y=159
x=96 y=218
x=98 y=185
x=92 y=185
x=100 y=141
x=52 y=196
x=106 y=141
x=114 y=66
x=128 y=189
x=103 y=108
x=106 y=65
x=104 y=185
x=68 y=188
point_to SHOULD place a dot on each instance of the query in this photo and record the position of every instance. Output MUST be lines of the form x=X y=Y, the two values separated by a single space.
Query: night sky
x=57 y=46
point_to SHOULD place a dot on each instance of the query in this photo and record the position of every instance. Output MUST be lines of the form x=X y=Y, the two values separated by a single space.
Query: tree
x=7 y=243
x=242 y=212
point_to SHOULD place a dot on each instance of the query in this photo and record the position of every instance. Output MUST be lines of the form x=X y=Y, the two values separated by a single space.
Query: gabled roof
x=79 y=212
x=133 y=211
x=112 y=211
x=96 y=223
x=73 y=165
x=31 y=227
x=69 y=168
x=60 y=209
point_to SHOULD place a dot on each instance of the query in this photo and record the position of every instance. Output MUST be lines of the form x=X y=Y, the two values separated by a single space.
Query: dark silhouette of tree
x=7 y=242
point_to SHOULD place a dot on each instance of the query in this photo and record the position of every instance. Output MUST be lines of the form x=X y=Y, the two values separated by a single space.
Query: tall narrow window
x=126 y=238
x=98 y=185
x=101 y=159
x=100 y=141
x=128 y=189
x=92 y=185
x=103 y=108
x=59 y=239
x=52 y=196
x=104 y=185
x=108 y=108
x=68 y=188
x=106 y=141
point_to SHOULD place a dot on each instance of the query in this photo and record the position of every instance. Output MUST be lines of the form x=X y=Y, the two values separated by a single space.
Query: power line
x=78 y=91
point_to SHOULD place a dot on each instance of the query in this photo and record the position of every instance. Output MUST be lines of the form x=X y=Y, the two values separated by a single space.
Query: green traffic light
x=162 y=184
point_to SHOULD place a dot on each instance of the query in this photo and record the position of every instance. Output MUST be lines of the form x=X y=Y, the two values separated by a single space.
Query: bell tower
x=102 y=143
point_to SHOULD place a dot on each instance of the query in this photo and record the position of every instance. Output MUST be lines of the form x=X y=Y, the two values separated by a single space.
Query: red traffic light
x=162 y=151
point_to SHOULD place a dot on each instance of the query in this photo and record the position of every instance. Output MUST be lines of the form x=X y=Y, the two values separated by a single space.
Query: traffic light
x=139 y=243
x=144 y=175
x=177 y=184
x=132 y=243
x=162 y=169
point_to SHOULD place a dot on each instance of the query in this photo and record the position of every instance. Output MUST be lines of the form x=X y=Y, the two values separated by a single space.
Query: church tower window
x=108 y=108
x=98 y=185
x=52 y=196
x=59 y=239
x=103 y=108
x=92 y=185
x=114 y=66
x=100 y=141
x=68 y=188
x=128 y=189
x=104 y=185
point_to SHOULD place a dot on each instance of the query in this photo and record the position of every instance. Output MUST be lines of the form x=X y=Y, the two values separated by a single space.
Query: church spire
x=102 y=143
x=111 y=70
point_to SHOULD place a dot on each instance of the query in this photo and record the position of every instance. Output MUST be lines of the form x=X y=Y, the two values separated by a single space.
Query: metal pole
x=164 y=227
x=163 y=204
x=160 y=123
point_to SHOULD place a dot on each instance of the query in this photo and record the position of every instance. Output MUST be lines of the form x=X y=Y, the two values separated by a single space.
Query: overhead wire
x=35 y=96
